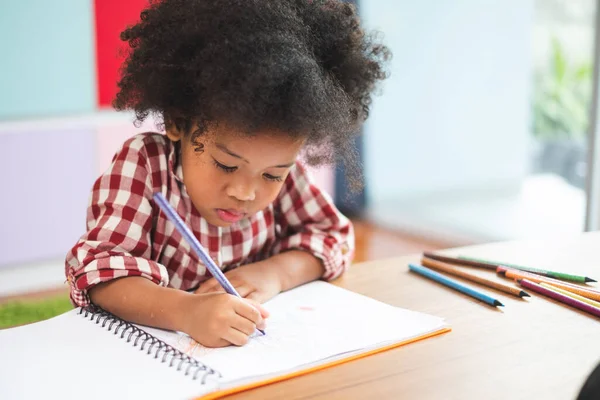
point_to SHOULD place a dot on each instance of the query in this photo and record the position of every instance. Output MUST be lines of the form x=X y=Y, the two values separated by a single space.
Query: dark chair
x=591 y=387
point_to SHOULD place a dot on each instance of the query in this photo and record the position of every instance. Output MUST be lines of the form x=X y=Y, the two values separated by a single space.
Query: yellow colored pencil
x=580 y=290
x=571 y=294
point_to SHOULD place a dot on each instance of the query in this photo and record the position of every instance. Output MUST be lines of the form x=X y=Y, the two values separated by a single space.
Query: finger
x=248 y=311
x=236 y=337
x=261 y=309
x=204 y=287
x=253 y=310
x=243 y=325
x=257 y=297
x=212 y=285
x=216 y=343
x=244 y=289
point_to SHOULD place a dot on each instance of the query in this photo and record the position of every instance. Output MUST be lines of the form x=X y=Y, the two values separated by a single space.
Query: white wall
x=455 y=111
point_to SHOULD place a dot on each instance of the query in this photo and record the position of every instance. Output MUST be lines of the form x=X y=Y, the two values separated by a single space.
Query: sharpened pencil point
x=524 y=294
x=590 y=280
x=497 y=303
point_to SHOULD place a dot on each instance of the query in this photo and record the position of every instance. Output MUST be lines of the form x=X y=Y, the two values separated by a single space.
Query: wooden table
x=531 y=349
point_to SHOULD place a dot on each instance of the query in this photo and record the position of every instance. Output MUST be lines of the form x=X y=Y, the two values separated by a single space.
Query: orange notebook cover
x=283 y=377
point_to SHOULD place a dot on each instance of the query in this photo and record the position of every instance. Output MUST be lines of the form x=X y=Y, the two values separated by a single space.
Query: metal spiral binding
x=143 y=338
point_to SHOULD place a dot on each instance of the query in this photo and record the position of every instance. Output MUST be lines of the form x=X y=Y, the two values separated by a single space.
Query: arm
x=262 y=280
x=310 y=222
x=117 y=243
x=143 y=302
x=295 y=268
x=111 y=264
x=213 y=319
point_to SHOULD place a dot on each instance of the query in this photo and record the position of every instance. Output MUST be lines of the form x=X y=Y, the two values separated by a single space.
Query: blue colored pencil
x=451 y=283
x=196 y=246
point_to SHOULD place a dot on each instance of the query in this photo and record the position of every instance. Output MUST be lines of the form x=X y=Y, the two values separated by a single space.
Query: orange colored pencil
x=589 y=293
x=515 y=273
x=451 y=270
x=571 y=294
x=512 y=273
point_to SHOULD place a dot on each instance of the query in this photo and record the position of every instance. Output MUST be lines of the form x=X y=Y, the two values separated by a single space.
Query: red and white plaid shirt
x=127 y=235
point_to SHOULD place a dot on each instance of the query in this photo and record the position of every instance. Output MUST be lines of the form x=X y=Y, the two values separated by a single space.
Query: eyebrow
x=224 y=149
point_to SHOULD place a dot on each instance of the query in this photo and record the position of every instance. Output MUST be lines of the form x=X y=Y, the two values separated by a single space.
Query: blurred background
x=481 y=131
x=480 y=134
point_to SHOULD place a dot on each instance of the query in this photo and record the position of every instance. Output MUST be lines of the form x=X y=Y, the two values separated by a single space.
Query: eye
x=273 y=178
x=224 y=167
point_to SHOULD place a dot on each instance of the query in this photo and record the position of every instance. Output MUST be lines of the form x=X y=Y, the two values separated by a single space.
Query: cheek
x=269 y=193
x=202 y=181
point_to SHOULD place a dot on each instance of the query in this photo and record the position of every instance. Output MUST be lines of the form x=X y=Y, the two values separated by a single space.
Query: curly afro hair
x=302 y=67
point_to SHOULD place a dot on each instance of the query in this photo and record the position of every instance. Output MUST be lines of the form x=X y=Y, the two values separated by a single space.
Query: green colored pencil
x=550 y=274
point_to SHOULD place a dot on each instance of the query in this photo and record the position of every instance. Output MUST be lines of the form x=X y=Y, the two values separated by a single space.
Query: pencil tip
x=524 y=294
x=590 y=280
x=497 y=303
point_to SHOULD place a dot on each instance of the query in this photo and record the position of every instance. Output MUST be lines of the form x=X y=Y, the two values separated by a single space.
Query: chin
x=216 y=221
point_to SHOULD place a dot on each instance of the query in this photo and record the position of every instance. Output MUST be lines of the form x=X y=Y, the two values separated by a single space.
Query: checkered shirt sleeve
x=308 y=220
x=119 y=223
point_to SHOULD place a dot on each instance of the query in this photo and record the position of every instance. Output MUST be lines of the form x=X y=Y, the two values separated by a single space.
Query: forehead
x=263 y=146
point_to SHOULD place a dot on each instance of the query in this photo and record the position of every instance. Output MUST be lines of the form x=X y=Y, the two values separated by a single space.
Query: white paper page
x=70 y=357
x=310 y=323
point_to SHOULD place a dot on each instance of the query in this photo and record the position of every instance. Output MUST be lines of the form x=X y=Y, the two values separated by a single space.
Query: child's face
x=230 y=176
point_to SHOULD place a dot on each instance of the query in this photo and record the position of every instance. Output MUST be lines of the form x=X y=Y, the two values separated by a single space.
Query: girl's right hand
x=220 y=319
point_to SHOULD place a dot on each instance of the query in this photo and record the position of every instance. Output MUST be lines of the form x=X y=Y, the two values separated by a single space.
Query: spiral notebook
x=93 y=354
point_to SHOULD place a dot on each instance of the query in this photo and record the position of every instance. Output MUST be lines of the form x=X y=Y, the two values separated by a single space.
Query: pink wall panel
x=111 y=136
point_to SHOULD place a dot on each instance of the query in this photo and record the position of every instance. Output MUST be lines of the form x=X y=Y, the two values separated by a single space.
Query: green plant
x=24 y=312
x=561 y=98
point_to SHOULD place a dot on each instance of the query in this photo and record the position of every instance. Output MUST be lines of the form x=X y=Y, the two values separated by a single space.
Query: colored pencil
x=585 y=292
x=451 y=283
x=487 y=264
x=515 y=273
x=550 y=274
x=570 y=294
x=454 y=260
x=559 y=297
x=451 y=270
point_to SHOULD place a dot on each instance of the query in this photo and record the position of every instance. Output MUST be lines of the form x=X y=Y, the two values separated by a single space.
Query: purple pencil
x=560 y=297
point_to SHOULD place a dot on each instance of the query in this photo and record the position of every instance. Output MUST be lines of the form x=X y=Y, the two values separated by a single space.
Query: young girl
x=245 y=88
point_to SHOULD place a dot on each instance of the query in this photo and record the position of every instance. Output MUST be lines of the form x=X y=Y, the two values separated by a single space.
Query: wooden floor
x=372 y=243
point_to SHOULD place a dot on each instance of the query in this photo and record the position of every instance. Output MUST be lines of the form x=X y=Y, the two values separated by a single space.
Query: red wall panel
x=111 y=17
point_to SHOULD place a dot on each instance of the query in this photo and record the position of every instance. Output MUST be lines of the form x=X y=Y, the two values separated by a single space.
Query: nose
x=241 y=190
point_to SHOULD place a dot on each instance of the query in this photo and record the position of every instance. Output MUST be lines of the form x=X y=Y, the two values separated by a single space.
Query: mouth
x=230 y=215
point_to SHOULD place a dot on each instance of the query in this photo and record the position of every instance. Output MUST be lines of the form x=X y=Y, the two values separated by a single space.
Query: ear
x=173 y=134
